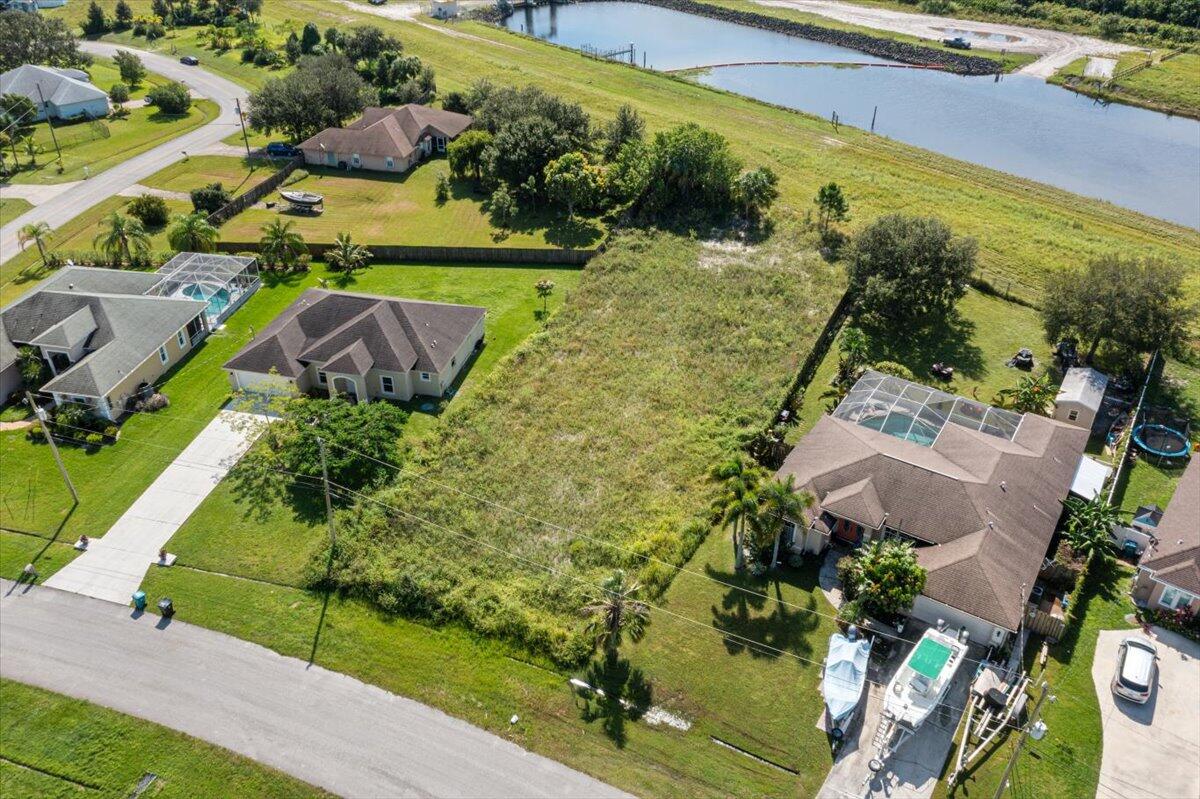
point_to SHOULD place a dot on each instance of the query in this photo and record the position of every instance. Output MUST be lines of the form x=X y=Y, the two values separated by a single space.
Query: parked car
x=376 y=2
x=189 y=60
x=1137 y=670
x=278 y=149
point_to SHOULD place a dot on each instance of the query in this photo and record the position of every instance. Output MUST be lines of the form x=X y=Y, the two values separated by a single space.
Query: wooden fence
x=243 y=201
x=430 y=254
x=1047 y=619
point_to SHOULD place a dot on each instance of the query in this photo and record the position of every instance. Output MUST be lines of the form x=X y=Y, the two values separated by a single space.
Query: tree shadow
x=623 y=694
x=945 y=339
x=752 y=613
x=1102 y=581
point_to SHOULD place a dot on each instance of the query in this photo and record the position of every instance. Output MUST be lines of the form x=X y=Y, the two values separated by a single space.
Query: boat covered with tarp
x=844 y=676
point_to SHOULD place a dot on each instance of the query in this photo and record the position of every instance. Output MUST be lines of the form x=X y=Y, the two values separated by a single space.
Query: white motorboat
x=843 y=678
x=922 y=681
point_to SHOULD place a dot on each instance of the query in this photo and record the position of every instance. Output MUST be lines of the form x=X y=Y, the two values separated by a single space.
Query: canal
x=1139 y=159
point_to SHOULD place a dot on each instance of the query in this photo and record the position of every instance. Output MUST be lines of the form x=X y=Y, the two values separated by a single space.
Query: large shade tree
x=37 y=39
x=323 y=92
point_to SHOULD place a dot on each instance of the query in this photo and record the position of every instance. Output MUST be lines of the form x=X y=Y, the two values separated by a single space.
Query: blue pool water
x=217 y=303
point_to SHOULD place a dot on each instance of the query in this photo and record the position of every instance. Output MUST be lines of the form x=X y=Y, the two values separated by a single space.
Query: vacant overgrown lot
x=668 y=356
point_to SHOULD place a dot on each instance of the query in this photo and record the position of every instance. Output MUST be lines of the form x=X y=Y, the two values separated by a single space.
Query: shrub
x=111 y=432
x=36 y=434
x=441 y=191
x=296 y=176
x=150 y=209
x=210 y=198
x=119 y=93
x=503 y=207
x=795 y=560
x=94 y=439
x=170 y=98
x=894 y=369
x=155 y=402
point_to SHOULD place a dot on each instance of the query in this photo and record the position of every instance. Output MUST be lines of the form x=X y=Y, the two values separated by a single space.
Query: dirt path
x=1056 y=48
x=411 y=12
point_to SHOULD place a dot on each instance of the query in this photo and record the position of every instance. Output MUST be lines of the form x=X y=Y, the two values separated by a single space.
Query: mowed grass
x=236 y=175
x=385 y=208
x=32 y=495
x=1066 y=763
x=18 y=549
x=54 y=746
x=1171 y=85
x=224 y=535
x=85 y=146
x=11 y=208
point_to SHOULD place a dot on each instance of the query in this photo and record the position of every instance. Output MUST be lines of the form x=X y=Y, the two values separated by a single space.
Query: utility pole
x=1034 y=718
x=62 y=469
x=49 y=124
x=245 y=138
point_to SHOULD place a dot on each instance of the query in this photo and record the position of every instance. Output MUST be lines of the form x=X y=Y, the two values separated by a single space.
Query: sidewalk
x=112 y=568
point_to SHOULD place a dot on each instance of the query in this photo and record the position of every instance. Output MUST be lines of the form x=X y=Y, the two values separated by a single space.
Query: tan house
x=386 y=139
x=1169 y=570
x=361 y=347
x=977 y=489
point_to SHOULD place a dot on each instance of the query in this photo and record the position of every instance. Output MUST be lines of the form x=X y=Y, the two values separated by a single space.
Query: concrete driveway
x=64 y=206
x=1151 y=750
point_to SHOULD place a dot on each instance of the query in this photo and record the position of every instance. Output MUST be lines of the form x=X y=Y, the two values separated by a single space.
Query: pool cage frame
x=877 y=395
x=209 y=274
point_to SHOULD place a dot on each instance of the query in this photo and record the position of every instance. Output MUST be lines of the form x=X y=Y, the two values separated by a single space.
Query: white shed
x=443 y=9
x=1080 y=396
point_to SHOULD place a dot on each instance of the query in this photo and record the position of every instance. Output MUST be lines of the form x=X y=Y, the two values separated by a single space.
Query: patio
x=223 y=281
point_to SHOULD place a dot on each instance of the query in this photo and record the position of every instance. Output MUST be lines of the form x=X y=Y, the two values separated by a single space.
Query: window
x=181 y=338
x=441 y=144
x=355 y=160
x=162 y=354
x=425 y=376
x=1072 y=416
x=322 y=378
x=389 y=386
x=1173 y=598
x=391 y=164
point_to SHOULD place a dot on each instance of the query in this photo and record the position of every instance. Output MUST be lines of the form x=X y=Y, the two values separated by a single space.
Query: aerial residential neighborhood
x=663 y=398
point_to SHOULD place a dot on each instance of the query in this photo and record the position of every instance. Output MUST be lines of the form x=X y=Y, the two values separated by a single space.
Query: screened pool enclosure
x=917 y=413
x=222 y=281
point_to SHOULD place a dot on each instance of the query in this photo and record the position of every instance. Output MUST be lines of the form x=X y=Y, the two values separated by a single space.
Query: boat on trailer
x=843 y=678
x=305 y=201
x=920 y=685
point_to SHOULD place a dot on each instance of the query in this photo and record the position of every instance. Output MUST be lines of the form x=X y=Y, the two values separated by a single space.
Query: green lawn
x=55 y=746
x=101 y=144
x=382 y=208
x=18 y=549
x=1066 y=762
x=1172 y=86
x=237 y=175
x=11 y=208
x=978 y=340
x=104 y=74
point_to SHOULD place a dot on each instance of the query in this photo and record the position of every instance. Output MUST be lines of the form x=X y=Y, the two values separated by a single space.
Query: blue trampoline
x=1161 y=440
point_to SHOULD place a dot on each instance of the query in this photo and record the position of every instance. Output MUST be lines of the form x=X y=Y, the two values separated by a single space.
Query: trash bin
x=166 y=607
x=139 y=600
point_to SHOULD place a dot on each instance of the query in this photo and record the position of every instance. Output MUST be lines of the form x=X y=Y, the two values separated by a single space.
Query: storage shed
x=1080 y=396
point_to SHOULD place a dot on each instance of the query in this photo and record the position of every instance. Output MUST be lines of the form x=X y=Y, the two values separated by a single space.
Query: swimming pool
x=218 y=301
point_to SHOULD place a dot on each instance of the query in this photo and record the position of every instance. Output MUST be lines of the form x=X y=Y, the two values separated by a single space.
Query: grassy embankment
x=53 y=747
x=1171 y=85
x=11 y=208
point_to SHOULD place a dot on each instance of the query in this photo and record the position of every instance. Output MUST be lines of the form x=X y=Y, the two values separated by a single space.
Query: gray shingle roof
x=70 y=332
x=344 y=330
x=1175 y=557
x=58 y=87
x=395 y=132
x=988 y=506
x=1083 y=385
x=96 y=280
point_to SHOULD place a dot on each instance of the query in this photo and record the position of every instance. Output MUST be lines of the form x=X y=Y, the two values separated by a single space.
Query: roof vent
x=1003 y=485
x=71 y=286
x=991 y=524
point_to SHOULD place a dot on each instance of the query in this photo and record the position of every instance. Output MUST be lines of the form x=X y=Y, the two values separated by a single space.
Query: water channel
x=1139 y=159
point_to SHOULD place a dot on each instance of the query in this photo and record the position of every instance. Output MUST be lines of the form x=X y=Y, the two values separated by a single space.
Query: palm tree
x=193 y=233
x=738 y=503
x=1089 y=526
x=618 y=612
x=122 y=236
x=345 y=255
x=37 y=232
x=32 y=148
x=781 y=503
x=280 y=244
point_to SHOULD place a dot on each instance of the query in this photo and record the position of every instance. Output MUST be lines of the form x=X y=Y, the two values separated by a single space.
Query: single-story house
x=360 y=346
x=386 y=139
x=1080 y=396
x=443 y=9
x=104 y=334
x=977 y=489
x=1168 y=575
x=67 y=93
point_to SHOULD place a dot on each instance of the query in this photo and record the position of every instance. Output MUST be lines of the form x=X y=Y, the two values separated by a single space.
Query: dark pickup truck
x=958 y=43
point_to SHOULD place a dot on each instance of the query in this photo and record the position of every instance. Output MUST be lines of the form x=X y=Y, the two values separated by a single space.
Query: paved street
x=1150 y=750
x=64 y=206
x=114 y=565
x=328 y=729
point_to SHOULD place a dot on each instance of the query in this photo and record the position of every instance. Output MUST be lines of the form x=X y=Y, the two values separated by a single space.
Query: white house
x=56 y=93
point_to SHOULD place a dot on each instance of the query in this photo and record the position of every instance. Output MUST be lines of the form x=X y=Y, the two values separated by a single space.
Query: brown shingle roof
x=1175 y=556
x=351 y=333
x=395 y=132
x=987 y=505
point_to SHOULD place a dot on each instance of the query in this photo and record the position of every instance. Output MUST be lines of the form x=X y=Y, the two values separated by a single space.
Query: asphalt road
x=322 y=727
x=66 y=206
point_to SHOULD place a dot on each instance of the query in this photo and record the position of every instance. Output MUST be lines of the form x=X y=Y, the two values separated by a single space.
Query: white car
x=1137 y=670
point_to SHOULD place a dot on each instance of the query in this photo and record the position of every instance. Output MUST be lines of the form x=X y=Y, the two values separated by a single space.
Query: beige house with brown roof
x=977 y=489
x=386 y=139
x=1169 y=571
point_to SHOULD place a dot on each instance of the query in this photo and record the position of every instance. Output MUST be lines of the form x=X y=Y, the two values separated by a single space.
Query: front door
x=847 y=532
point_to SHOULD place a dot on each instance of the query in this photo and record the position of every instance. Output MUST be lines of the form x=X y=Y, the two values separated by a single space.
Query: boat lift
x=997 y=697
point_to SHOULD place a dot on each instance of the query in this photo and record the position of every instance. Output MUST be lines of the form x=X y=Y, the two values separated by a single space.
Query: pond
x=1132 y=157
